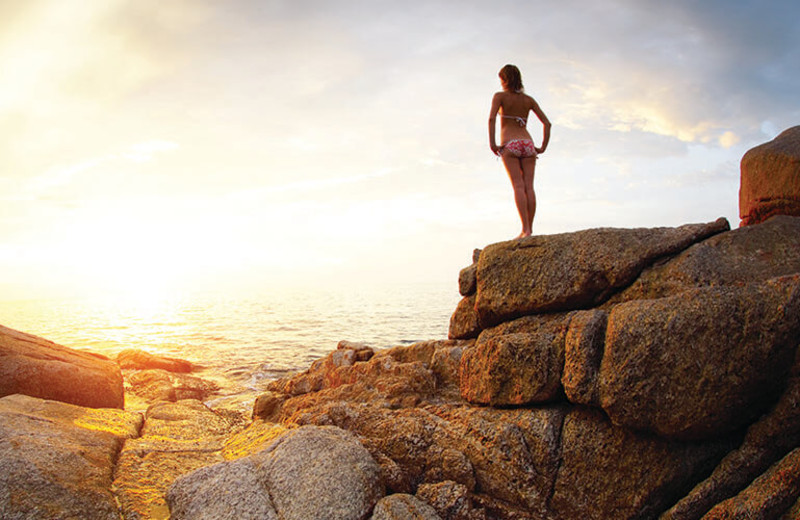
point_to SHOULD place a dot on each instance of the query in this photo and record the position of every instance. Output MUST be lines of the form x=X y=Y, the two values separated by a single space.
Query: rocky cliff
x=601 y=374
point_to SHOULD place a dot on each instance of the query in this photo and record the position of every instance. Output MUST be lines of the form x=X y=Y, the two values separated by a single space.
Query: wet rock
x=176 y=438
x=155 y=385
x=56 y=459
x=572 y=270
x=703 y=363
x=770 y=179
x=402 y=506
x=255 y=437
x=267 y=405
x=40 y=368
x=142 y=360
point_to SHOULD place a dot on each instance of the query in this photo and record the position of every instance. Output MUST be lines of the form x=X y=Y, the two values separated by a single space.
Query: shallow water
x=242 y=343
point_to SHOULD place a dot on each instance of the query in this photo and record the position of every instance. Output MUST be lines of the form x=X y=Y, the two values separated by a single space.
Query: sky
x=239 y=145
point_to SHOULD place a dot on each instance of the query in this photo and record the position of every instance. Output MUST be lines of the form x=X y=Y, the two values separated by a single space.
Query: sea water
x=242 y=343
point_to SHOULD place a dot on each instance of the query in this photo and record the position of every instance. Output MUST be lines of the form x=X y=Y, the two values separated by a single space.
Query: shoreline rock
x=672 y=398
x=37 y=367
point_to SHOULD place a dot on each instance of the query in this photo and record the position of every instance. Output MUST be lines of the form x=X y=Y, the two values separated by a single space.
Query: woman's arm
x=493 y=123
x=545 y=124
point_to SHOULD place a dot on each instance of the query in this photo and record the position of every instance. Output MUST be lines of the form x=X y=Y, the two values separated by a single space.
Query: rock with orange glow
x=56 y=459
x=160 y=385
x=569 y=271
x=176 y=438
x=747 y=254
x=308 y=472
x=141 y=360
x=611 y=371
x=770 y=179
x=37 y=367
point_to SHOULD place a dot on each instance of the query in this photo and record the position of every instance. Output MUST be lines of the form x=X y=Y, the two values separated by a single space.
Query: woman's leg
x=528 y=165
x=515 y=173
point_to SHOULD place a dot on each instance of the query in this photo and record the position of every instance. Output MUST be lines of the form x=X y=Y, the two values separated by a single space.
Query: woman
x=518 y=150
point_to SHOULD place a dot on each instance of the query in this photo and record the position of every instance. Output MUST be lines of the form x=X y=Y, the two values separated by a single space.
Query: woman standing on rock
x=518 y=150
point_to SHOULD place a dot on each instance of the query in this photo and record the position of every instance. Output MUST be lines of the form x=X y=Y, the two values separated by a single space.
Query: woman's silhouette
x=518 y=150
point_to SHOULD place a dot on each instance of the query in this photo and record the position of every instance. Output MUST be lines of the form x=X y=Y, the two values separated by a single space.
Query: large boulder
x=747 y=254
x=308 y=472
x=40 y=368
x=223 y=490
x=57 y=459
x=702 y=363
x=518 y=362
x=770 y=179
x=572 y=270
x=611 y=472
x=768 y=440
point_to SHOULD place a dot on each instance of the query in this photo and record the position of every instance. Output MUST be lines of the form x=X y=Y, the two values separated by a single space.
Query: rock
x=451 y=501
x=749 y=254
x=224 y=490
x=445 y=362
x=155 y=385
x=176 y=438
x=468 y=280
x=766 y=442
x=402 y=506
x=400 y=377
x=583 y=351
x=320 y=472
x=268 y=405
x=518 y=362
x=703 y=363
x=56 y=459
x=572 y=271
x=770 y=179
x=39 y=368
x=308 y=472
x=464 y=321
x=141 y=360
x=646 y=473
x=363 y=352
x=449 y=464
x=257 y=436
x=768 y=496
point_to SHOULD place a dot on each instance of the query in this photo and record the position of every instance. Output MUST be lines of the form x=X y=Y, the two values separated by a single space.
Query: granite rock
x=770 y=179
x=57 y=459
x=40 y=368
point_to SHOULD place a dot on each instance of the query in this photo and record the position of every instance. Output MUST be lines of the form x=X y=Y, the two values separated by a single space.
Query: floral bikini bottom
x=520 y=148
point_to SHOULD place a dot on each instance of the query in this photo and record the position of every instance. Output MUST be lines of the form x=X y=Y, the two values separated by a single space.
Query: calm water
x=243 y=343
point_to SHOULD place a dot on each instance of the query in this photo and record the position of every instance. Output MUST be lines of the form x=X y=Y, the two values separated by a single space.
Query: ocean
x=242 y=343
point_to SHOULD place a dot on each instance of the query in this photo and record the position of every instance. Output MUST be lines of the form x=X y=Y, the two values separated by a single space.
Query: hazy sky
x=237 y=144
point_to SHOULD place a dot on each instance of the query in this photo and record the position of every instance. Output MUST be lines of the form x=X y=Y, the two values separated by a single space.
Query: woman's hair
x=513 y=79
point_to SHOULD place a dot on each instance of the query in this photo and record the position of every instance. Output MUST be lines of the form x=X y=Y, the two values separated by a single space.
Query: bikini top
x=521 y=121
